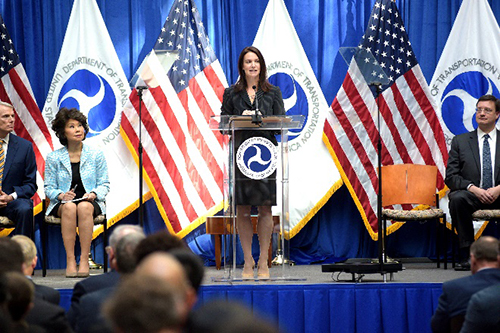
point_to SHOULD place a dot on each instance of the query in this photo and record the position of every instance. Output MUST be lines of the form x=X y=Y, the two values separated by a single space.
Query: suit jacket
x=456 y=295
x=270 y=103
x=87 y=286
x=47 y=293
x=483 y=311
x=48 y=316
x=464 y=164
x=90 y=318
x=93 y=171
x=19 y=173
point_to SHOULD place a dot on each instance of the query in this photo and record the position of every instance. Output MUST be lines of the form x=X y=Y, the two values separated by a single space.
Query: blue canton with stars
x=184 y=35
x=8 y=55
x=386 y=38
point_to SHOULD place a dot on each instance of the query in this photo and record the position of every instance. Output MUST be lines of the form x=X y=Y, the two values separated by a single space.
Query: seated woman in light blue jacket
x=76 y=182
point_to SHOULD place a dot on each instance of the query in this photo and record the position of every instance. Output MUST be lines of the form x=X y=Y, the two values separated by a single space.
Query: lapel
x=474 y=147
x=246 y=100
x=65 y=159
x=11 y=153
x=84 y=156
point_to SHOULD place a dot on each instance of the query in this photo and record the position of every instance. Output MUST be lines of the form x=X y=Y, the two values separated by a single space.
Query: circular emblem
x=458 y=102
x=257 y=158
x=93 y=96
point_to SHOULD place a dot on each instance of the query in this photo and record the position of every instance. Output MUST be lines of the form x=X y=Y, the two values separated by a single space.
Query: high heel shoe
x=248 y=275
x=263 y=271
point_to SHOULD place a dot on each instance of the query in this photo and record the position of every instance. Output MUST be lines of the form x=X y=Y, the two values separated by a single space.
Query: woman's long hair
x=241 y=84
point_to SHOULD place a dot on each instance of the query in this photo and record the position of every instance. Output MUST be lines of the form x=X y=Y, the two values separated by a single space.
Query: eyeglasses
x=485 y=110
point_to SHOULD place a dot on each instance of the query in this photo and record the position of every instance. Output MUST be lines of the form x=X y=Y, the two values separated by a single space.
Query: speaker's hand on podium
x=248 y=113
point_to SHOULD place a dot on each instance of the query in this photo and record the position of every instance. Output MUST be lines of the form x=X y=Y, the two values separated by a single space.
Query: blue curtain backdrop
x=37 y=28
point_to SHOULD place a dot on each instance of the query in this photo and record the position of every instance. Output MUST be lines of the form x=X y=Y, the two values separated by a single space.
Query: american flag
x=410 y=129
x=16 y=90
x=183 y=157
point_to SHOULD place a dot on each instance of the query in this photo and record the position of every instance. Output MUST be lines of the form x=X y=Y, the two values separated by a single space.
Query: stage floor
x=414 y=271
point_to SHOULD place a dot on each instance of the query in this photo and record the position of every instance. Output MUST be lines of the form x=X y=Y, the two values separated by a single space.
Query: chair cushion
x=6 y=223
x=50 y=219
x=412 y=215
x=486 y=214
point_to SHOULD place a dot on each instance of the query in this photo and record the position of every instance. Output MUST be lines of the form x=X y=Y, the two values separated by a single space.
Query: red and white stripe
x=183 y=157
x=410 y=132
x=30 y=125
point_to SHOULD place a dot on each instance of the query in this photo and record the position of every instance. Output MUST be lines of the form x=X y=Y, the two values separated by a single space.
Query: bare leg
x=264 y=229
x=85 y=228
x=67 y=212
x=245 y=230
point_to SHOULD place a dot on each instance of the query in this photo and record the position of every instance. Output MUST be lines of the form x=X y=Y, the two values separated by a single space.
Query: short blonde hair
x=27 y=246
x=6 y=104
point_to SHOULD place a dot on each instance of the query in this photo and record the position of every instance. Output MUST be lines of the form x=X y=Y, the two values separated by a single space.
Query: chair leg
x=445 y=243
x=43 y=239
x=452 y=244
x=438 y=243
x=104 y=245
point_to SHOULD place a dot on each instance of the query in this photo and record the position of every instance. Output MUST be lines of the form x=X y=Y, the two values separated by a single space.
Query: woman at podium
x=252 y=95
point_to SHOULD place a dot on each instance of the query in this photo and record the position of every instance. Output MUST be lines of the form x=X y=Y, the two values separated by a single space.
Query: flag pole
x=140 y=90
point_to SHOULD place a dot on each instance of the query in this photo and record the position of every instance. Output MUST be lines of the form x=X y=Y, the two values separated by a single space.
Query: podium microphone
x=256 y=117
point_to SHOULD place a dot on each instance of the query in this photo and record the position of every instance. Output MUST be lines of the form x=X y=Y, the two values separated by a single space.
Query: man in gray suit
x=473 y=173
x=452 y=303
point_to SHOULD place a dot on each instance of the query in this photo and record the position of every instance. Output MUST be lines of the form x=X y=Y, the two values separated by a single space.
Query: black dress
x=250 y=191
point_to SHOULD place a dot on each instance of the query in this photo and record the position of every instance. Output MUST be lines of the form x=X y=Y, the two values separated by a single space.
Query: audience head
x=118 y=233
x=62 y=117
x=145 y=304
x=22 y=295
x=125 y=252
x=192 y=264
x=161 y=241
x=11 y=258
x=484 y=253
x=5 y=322
x=238 y=318
x=29 y=253
x=164 y=266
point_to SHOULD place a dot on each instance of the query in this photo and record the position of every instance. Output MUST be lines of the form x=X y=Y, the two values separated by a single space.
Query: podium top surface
x=245 y=122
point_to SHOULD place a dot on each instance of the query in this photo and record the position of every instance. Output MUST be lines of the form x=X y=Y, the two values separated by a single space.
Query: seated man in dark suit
x=483 y=311
x=471 y=175
x=30 y=259
x=17 y=174
x=457 y=293
x=44 y=314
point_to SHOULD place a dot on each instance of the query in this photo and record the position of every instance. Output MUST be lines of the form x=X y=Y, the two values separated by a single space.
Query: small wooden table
x=222 y=225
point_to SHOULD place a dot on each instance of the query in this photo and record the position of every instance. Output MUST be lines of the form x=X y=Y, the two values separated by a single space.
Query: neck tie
x=2 y=160
x=487 y=175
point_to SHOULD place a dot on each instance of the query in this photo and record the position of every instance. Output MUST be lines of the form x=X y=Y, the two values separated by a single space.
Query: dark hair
x=11 y=258
x=490 y=98
x=192 y=264
x=241 y=84
x=161 y=241
x=62 y=117
x=22 y=293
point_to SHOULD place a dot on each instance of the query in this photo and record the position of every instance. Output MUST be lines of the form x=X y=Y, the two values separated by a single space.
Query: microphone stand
x=140 y=90
x=256 y=117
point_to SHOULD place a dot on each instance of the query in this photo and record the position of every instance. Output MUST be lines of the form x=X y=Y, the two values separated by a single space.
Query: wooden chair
x=405 y=184
x=53 y=220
